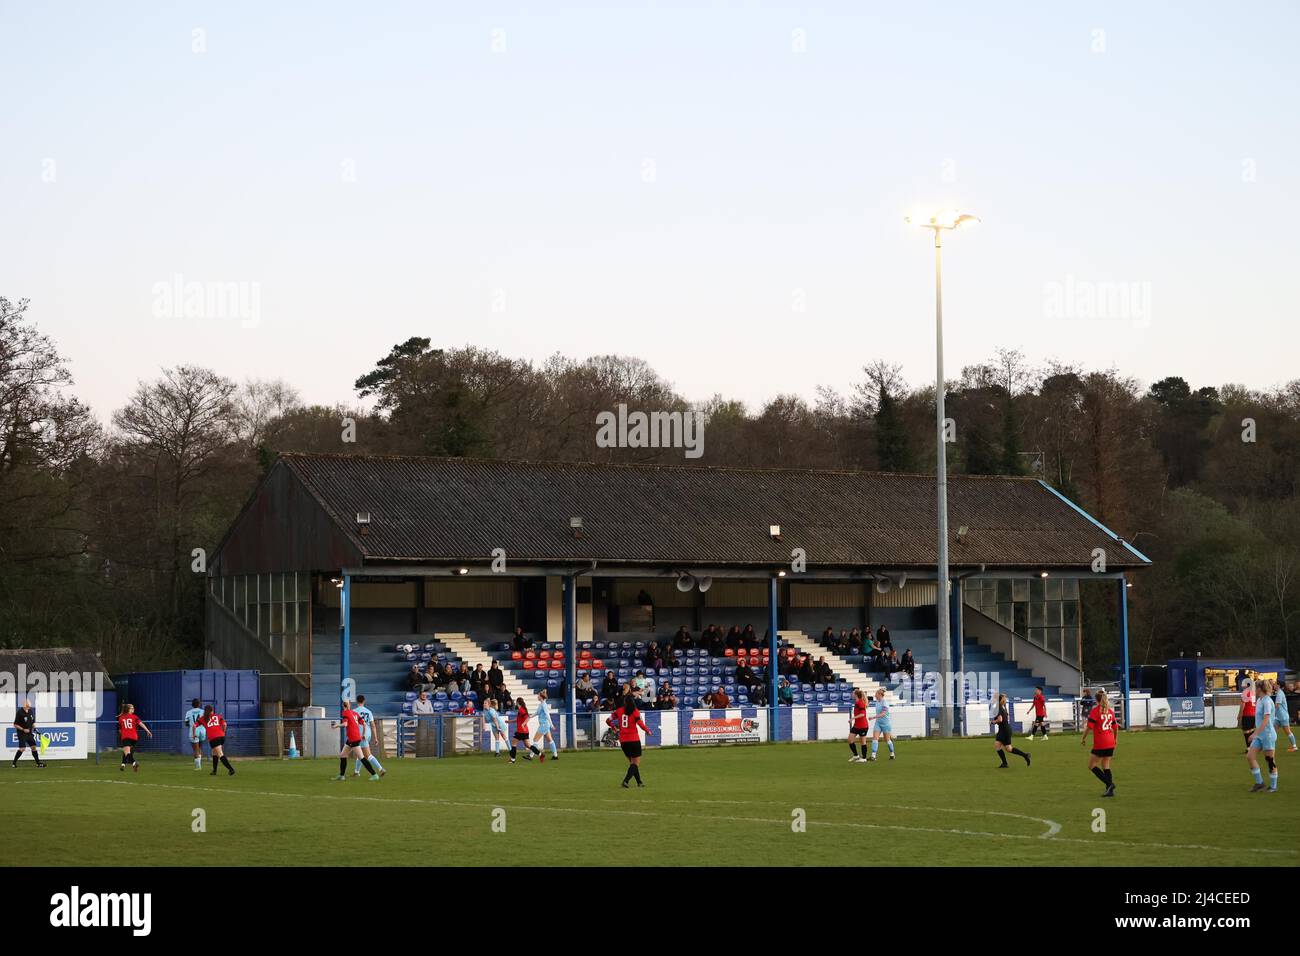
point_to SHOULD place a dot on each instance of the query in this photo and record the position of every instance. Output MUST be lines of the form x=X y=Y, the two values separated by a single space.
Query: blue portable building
x=1194 y=676
x=161 y=698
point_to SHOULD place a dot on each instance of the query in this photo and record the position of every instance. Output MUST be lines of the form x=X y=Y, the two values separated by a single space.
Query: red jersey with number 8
x=627 y=724
x=1103 y=728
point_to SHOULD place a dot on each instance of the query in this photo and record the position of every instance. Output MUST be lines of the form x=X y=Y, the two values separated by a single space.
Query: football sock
x=198 y=762
x=513 y=750
x=1292 y=736
x=636 y=772
x=214 y=764
x=226 y=763
x=125 y=758
x=1099 y=774
x=890 y=745
x=1272 y=780
x=534 y=750
x=16 y=756
x=343 y=766
x=374 y=762
x=1110 y=778
x=365 y=762
x=555 y=752
x=1020 y=753
x=628 y=776
x=356 y=765
x=1254 y=772
x=1246 y=737
x=1272 y=764
x=852 y=747
x=875 y=745
x=1002 y=755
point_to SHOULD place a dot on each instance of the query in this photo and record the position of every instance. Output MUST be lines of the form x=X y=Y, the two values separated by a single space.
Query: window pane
x=1070 y=610
x=1004 y=590
x=1070 y=589
x=1036 y=614
x=1053 y=589
x=1020 y=589
x=1053 y=613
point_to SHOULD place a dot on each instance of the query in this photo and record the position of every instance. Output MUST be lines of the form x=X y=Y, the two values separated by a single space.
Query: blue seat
x=411 y=695
x=439 y=705
x=442 y=694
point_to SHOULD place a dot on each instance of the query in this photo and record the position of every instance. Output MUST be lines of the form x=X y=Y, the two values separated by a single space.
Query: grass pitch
x=1182 y=800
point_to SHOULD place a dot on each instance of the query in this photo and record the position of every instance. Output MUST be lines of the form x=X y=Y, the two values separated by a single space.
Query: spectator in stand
x=882 y=638
x=787 y=664
x=586 y=691
x=667 y=699
x=720 y=698
x=430 y=675
x=749 y=638
x=871 y=650
x=644 y=688
x=448 y=678
x=423 y=705
x=522 y=641
x=823 y=672
x=744 y=676
x=785 y=693
x=907 y=663
x=670 y=657
x=717 y=644
x=733 y=638
x=415 y=677
x=758 y=695
x=495 y=679
x=654 y=658
x=828 y=636
x=855 y=641
x=806 y=673
x=682 y=640
x=841 y=645
x=889 y=661
x=478 y=681
x=609 y=691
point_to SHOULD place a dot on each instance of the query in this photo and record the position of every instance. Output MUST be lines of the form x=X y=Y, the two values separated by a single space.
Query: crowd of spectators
x=876 y=646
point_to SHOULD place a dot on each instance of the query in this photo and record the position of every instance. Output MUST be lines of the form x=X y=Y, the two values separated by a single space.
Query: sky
x=718 y=188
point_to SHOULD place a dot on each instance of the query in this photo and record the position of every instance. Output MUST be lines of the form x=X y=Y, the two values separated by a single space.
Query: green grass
x=1182 y=800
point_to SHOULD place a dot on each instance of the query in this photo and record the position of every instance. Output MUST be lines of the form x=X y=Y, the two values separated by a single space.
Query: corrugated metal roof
x=451 y=509
x=54 y=660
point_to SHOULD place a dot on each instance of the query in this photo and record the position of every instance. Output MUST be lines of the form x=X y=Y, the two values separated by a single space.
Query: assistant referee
x=25 y=724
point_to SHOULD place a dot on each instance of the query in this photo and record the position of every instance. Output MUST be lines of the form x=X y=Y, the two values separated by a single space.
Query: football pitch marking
x=1050 y=835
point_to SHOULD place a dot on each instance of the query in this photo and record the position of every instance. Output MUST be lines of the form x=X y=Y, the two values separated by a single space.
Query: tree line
x=99 y=520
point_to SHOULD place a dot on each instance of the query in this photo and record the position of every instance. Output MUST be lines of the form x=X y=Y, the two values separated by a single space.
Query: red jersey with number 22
x=353 y=723
x=1103 y=728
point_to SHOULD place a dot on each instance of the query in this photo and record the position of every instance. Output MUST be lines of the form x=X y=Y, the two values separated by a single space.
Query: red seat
x=516 y=656
x=728 y=653
x=530 y=655
x=583 y=655
x=597 y=665
x=529 y=665
x=544 y=656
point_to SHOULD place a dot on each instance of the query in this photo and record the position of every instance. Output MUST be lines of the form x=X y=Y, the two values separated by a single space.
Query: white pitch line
x=1102 y=842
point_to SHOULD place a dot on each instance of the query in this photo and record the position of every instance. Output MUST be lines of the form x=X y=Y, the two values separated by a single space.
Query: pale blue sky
x=1170 y=158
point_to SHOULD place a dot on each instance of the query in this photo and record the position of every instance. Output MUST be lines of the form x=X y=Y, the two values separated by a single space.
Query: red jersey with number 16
x=127 y=726
x=1103 y=728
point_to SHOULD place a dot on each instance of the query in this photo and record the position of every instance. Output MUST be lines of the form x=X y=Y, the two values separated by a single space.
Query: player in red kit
x=521 y=731
x=128 y=729
x=214 y=725
x=354 y=735
x=859 y=728
x=627 y=721
x=1040 y=714
x=1103 y=727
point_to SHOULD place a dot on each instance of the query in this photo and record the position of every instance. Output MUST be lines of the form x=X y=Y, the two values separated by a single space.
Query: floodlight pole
x=941 y=471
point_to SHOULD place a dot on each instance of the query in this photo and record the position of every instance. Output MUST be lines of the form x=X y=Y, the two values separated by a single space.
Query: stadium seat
x=516 y=656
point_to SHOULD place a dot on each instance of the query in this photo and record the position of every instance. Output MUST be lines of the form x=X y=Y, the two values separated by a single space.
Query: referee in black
x=25 y=724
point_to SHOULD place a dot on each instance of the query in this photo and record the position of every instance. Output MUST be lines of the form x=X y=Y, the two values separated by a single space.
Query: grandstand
x=363 y=565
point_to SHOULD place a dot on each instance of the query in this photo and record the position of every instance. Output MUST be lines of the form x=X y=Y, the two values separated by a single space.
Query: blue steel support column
x=568 y=597
x=1123 y=637
x=345 y=639
x=774 y=703
x=958 y=659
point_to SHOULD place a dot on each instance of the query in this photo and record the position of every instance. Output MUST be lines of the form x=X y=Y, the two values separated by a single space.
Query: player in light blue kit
x=545 y=728
x=195 y=732
x=367 y=721
x=1263 y=739
x=882 y=726
x=497 y=728
x=1282 y=714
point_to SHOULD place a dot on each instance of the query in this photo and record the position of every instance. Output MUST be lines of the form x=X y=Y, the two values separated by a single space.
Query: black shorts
x=27 y=739
x=215 y=742
x=1004 y=735
x=129 y=742
x=356 y=744
x=521 y=735
x=1103 y=751
x=859 y=731
x=1040 y=718
x=631 y=748
x=1248 y=723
